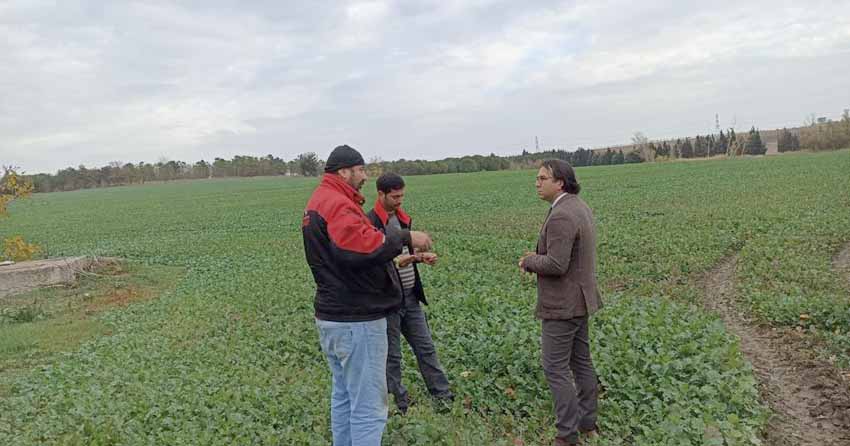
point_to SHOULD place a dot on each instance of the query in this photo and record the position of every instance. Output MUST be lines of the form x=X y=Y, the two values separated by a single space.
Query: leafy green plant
x=28 y=313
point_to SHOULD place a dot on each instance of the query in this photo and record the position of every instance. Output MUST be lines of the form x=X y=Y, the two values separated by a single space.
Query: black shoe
x=443 y=404
x=403 y=404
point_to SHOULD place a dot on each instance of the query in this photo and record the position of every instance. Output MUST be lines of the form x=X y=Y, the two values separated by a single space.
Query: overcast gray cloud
x=94 y=82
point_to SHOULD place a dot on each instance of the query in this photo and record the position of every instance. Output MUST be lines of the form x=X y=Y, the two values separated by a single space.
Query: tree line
x=823 y=135
x=642 y=150
x=120 y=174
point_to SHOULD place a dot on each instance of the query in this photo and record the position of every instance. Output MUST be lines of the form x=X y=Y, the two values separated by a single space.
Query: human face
x=355 y=176
x=391 y=200
x=547 y=187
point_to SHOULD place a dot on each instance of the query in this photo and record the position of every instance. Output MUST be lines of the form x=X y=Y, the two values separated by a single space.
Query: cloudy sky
x=90 y=82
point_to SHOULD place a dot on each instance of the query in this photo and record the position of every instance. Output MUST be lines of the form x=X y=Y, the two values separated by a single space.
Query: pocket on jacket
x=557 y=294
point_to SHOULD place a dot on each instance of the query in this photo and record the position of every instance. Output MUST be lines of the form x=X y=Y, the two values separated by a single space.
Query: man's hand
x=428 y=258
x=404 y=260
x=421 y=241
x=524 y=273
x=522 y=259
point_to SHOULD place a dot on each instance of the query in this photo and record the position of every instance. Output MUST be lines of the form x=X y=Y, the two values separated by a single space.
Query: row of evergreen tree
x=729 y=144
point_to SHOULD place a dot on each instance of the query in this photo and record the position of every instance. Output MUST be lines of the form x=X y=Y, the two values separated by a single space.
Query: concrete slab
x=27 y=276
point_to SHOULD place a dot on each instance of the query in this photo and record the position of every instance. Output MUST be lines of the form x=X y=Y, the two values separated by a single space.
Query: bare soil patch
x=809 y=397
x=36 y=325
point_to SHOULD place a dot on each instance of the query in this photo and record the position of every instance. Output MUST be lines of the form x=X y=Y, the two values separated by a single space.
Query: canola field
x=229 y=355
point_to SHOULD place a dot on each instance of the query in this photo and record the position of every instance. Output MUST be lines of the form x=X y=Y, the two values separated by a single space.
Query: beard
x=356 y=184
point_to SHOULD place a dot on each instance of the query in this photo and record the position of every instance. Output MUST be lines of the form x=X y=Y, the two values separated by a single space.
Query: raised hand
x=421 y=240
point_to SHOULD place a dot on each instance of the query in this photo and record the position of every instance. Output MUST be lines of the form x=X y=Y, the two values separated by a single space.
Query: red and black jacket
x=379 y=217
x=350 y=259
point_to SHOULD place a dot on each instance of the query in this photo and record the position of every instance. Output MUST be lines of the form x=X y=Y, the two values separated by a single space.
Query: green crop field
x=229 y=354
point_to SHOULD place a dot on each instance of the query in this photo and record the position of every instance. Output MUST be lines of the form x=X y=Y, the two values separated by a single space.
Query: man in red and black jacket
x=356 y=288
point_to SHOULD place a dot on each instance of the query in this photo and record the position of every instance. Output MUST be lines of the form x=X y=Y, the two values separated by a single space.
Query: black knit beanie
x=342 y=157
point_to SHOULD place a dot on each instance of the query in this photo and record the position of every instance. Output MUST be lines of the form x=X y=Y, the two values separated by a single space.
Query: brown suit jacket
x=565 y=262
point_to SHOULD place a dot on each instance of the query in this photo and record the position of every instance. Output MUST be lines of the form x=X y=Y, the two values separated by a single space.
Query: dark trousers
x=410 y=321
x=568 y=368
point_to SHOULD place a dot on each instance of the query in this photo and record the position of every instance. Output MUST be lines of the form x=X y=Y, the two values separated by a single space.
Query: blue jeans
x=357 y=356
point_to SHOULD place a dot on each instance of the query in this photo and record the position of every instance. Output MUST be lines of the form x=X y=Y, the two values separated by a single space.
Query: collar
x=563 y=194
x=333 y=181
x=384 y=216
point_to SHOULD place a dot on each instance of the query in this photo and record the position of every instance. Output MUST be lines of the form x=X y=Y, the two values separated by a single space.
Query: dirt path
x=841 y=263
x=810 y=398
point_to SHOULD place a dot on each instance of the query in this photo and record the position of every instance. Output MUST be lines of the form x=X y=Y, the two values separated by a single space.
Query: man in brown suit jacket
x=565 y=264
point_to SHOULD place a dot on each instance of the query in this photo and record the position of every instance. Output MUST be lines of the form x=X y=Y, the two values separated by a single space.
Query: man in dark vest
x=410 y=320
x=565 y=264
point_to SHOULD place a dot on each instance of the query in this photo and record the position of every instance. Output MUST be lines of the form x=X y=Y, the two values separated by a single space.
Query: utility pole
x=716 y=133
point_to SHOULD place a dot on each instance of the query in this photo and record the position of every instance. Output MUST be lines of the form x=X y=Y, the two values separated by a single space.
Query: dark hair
x=389 y=182
x=561 y=170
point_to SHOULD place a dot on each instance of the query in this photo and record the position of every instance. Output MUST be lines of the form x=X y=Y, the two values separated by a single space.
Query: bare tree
x=641 y=143
x=810 y=120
